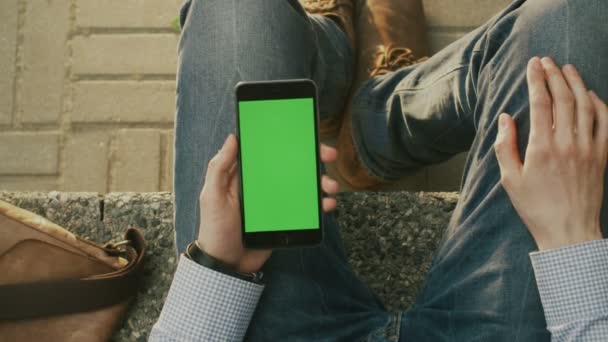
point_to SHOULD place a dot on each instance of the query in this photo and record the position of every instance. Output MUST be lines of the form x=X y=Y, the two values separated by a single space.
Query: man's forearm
x=573 y=286
x=205 y=305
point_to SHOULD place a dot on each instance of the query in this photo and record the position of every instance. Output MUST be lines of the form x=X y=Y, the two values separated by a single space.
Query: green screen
x=278 y=163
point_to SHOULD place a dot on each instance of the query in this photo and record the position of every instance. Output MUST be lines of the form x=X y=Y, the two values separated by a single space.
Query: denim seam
x=358 y=106
x=364 y=161
x=398 y=326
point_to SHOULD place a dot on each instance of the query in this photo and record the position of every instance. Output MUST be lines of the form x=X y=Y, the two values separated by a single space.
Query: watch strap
x=195 y=253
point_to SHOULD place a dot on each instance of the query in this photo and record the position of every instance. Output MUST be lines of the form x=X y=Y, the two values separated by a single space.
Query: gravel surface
x=389 y=237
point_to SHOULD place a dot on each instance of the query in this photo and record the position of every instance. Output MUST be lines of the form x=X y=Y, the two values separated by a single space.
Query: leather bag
x=56 y=286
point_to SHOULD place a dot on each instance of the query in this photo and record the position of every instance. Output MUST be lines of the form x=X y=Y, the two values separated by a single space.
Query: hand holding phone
x=279 y=166
x=220 y=232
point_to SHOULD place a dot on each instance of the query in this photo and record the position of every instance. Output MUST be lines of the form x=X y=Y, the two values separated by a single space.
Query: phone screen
x=279 y=165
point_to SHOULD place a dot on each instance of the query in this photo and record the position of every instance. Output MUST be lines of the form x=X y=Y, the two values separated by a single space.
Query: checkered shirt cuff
x=206 y=305
x=573 y=286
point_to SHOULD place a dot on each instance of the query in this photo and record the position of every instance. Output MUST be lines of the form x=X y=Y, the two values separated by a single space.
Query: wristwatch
x=195 y=253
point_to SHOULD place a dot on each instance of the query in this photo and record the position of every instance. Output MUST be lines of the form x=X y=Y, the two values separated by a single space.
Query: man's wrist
x=216 y=254
x=195 y=253
x=564 y=240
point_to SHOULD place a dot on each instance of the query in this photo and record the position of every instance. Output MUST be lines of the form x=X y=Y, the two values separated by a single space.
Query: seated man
x=487 y=281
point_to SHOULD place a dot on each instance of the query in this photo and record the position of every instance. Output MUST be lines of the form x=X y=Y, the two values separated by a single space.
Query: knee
x=570 y=15
x=254 y=39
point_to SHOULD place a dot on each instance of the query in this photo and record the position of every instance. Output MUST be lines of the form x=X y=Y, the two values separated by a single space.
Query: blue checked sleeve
x=205 y=305
x=573 y=286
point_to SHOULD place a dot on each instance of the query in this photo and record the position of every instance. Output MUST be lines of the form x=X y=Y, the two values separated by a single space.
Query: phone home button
x=284 y=239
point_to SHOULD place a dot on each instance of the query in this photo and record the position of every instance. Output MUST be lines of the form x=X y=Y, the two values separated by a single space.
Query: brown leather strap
x=47 y=298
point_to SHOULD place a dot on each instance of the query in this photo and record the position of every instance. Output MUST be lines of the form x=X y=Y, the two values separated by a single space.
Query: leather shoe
x=390 y=35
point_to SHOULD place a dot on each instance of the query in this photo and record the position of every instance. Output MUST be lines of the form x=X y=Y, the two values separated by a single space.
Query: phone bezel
x=269 y=90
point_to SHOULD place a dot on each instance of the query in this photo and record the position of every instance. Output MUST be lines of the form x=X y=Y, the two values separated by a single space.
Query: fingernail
x=592 y=93
x=536 y=63
x=502 y=122
x=570 y=68
x=546 y=62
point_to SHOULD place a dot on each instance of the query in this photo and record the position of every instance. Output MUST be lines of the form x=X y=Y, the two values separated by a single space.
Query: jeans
x=481 y=285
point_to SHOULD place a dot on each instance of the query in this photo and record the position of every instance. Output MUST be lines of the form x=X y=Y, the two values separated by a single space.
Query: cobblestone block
x=86 y=161
x=135 y=160
x=124 y=101
x=44 y=52
x=8 y=46
x=114 y=54
x=29 y=153
x=132 y=13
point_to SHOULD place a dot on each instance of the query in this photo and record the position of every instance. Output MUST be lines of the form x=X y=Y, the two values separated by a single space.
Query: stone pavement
x=87 y=92
x=389 y=238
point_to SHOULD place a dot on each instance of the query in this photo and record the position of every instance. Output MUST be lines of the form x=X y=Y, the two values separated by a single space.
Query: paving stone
x=28 y=183
x=29 y=153
x=44 y=52
x=124 y=101
x=135 y=160
x=126 y=14
x=8 y=47
x=86 y=161
x=113 y=54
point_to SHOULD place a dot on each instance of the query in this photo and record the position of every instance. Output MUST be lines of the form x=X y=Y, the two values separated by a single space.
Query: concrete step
x=389 y=238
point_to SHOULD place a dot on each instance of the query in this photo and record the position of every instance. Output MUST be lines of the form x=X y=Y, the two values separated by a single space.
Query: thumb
x=506 y=149
x=219 y=166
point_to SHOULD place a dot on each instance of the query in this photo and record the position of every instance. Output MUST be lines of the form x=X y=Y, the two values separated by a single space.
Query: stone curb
x=389 y=238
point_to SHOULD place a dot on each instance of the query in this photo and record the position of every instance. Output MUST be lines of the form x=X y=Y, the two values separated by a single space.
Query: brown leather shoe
x=342 y=13
x=390 y=34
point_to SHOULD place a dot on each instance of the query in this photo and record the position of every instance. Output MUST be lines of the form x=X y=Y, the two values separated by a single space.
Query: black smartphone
x=280 y=180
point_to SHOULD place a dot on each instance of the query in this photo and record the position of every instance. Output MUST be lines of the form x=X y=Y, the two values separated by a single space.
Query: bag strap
x=48 y=298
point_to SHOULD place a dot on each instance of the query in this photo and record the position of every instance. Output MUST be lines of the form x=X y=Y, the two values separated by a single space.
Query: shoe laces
x=391 y=58
x=321 y=6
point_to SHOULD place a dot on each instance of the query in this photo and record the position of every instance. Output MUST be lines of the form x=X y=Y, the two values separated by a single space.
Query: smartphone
x=280 y=180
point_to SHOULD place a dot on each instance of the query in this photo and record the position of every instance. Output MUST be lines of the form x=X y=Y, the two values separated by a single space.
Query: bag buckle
x=115 y=245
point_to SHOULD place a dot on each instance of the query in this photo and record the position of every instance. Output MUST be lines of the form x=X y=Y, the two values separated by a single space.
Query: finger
x=233 y=179
x=220 y=165
x=506 y=151
x=233 y=169
x=585 y=113
x=329 y=185
x=563 y=101
x=541 y=120
x=329 y=204
x=328 y=154
x=601 y=125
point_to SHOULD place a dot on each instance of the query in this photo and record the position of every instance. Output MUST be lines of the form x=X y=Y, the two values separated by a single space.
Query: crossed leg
x=481 y=285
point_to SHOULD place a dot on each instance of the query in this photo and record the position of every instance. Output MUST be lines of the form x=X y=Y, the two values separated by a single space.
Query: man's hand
x=220 y=226
x=557 y=191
